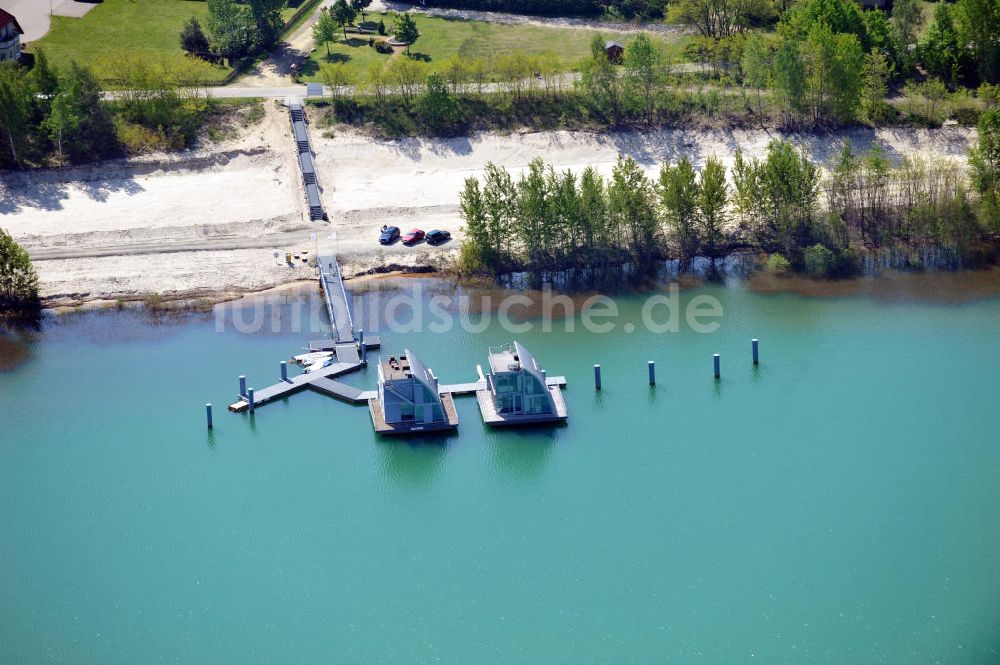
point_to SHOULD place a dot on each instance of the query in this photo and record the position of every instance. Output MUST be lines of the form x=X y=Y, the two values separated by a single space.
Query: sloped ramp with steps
x=309 y=180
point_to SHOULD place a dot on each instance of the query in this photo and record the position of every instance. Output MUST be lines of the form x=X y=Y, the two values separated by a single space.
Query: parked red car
x=413 y=237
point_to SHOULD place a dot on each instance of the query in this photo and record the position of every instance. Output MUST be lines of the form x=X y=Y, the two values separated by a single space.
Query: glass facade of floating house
x=517 y=383
x=408 y=391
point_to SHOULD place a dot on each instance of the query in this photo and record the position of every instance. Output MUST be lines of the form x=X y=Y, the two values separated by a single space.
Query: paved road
x=269 y=92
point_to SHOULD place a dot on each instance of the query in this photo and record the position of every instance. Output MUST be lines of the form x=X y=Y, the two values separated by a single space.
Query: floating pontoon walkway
x=345 y=345
x=292 y=386
x=337 y=305
x=342 y=391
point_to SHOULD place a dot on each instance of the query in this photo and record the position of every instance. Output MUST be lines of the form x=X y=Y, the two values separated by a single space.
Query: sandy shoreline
x=207 y=223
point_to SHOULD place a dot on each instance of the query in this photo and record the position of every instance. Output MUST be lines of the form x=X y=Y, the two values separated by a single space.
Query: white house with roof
x=10 y=37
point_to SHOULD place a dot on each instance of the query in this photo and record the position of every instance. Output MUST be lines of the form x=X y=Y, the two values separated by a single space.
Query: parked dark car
x=389 y=235
x=413 y=237
x=436 y=237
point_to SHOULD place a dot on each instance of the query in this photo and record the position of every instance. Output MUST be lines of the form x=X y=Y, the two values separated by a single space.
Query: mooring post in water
x=652 y=373
x=243 y=386
x=361 y=345
x=597 y=377
x=716 y=361
x=250 y=399
x=208 y=414
x=284 y=370
x=756 y=351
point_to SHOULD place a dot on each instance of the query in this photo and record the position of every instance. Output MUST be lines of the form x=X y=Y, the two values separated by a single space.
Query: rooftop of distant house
x=512 y=358
x=6 y=18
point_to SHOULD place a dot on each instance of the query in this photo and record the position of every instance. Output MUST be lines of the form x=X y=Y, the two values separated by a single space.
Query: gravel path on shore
x=521 y=19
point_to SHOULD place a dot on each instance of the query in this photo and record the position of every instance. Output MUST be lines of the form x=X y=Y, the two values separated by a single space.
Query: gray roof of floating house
x=419 y=369
x=414 y=368
x=512 y=358
x=528 y=361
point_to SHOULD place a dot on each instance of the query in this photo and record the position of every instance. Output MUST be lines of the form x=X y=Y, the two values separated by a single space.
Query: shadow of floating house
x=409 y=398
x=517 y=390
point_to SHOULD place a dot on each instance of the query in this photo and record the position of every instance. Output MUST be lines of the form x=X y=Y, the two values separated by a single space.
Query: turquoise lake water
x=837 y=505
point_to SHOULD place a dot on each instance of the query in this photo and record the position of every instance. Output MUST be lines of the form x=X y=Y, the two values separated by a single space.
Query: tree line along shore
x=784 y=204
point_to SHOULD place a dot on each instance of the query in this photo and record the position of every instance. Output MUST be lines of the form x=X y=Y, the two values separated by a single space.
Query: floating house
x=517 y=390
x=409 y=398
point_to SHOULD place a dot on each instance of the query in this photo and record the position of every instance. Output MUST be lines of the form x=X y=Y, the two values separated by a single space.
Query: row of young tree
x=61 y=116
x=546 y=220
x=827 y=63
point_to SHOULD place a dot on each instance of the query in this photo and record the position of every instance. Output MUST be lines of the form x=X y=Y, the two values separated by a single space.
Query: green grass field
x=441 y=38
x=117 y=29
x=147 y=29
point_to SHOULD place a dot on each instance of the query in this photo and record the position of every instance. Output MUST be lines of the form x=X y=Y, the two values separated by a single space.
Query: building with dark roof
x=10 y=37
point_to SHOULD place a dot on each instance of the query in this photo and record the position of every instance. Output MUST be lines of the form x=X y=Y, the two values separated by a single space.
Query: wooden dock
x=345 y=346
x=349 y=346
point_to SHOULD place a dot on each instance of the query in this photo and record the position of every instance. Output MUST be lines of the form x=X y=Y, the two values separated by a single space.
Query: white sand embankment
x=416 y=182
x=211 y=220
x=204 y=220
